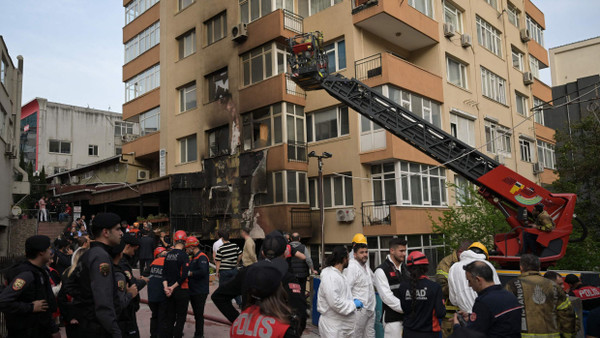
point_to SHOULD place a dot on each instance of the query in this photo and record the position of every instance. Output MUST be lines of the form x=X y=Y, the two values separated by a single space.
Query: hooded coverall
x=336 y=305
x=461 y=293
x=360 y=279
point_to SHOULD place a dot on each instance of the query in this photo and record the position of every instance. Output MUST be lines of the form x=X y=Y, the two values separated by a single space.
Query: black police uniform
x=198 y=282
x=28 y=283
x=127 y=318
x=176 y=271
x=98 y=296
x=123 y=307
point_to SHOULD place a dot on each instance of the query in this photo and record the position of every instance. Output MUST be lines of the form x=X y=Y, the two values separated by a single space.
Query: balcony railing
x=359 y=5
x=376 y=212
x=300 y=218
x=297 y=151
x=292 y=88
x=368 y=67
x=293 y=22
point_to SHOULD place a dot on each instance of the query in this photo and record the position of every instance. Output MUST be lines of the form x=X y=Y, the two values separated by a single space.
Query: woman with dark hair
x=266 y=313
x=421 y=300
x=334 y=300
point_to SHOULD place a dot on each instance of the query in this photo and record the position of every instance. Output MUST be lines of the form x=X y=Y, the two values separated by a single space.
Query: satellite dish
x=16 y=210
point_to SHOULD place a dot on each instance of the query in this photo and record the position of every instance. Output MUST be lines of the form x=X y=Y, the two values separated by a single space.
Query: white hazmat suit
x=336 y=305
x=360 y=279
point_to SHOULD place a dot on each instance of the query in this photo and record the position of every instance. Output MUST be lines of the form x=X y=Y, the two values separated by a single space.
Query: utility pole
x=321 y=206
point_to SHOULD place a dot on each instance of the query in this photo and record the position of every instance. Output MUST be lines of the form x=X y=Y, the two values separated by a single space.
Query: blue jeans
x=227 y=275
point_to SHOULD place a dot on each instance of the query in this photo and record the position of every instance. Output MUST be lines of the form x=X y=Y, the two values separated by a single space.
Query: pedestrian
x=217 y=244
x=547 y=311
x=589 y=295
x=198 y=281
x=496 y=312
x=360 y=278
x=66 y=294
x=96 y=302
x=175 y=283
x=556 y=278
x=62 y=257
x=227 y=258
x=272 y=249
x=249 y=252
x=301 y=268
x=43 y=212
x=421 y=299
x=128 y=318
x=267 y=310
x=441 y=277
x=334 y=299
x=460 y=293
x=27 y=301
x=146 y=249
x=157 y=299
x=387 y=279
x=543 y=222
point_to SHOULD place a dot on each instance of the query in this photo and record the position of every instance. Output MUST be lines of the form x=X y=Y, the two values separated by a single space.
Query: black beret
x=106 y=220
x=571 y=279
x=274 y=245
x=131 y=240
x=262 y=279
x=37 y=243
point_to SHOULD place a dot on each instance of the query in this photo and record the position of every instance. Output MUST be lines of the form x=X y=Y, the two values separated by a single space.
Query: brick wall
x=19 y=230
x=51 y=229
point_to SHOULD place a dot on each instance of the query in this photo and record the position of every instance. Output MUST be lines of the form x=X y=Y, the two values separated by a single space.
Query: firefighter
x=547 y=311
x=175 y=283
x=198 y=281
x=156 y=294
x=543 y=222
x=441 y=277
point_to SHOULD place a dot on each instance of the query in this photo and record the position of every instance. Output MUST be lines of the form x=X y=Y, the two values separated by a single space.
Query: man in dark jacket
x=198 y=282
x=301 y=268
x=63 y=254
x=146 y=250
x=28 y=301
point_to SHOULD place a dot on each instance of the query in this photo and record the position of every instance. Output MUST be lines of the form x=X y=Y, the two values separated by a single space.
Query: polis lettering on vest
x=261 y=326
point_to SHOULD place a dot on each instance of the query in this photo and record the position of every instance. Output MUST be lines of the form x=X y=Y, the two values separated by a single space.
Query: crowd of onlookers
x=49 y=210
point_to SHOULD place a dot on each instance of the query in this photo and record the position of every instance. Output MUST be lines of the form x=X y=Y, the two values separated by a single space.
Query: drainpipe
x=17 y=113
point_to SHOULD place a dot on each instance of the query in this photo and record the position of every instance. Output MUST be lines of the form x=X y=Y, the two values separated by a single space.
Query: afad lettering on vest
x=587 y=292
x=247 y=325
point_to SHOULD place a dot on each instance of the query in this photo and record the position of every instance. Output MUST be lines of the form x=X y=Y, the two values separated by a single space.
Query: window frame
x=210 y=25
x=334 y=48
x=275 y=116
x=142 y=42
x=187 y=43
x=456 y=119
x=535 y=30
x=329 y=188
x=278 y=188
x=450 y=8
x=427 y=4
x=311 y=130
x=462 y=70
x=526 y=146
x=184 y=91
x=211 y=83
x=514 y=15
x=60 y=147
x=493 y=3
x=498 y=139
x=136 y=8
x=519 y=57
x=146 y=116
x=521 y=101
x=488 y=36
x=187 y=139
x=220 y=149
x=183 y=4
x=538 y=112
x=92 y=150
x=123 y=125
x=546 y=154
x=149 y=79
x=3 y=70
x=534 y=66
x=493 y=86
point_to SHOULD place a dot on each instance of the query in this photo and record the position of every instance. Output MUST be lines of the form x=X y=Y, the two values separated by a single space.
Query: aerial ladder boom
x=514 y=195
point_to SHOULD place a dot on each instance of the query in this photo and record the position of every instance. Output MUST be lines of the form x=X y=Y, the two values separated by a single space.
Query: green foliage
x=474 y=219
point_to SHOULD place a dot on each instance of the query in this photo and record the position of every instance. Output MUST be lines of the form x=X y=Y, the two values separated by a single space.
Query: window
x=3 y=70
x=326 y=124
x=123 y=128
x=514 y=15
x=517 y=59
x=263 y=62
x=453 y=15
x=546 y=154
x=142 y=42
x=492 y=3
x=497 y=139
x=284 y=187
x=3 y=116
x=417 y=104
x=525 y=150
x=456 y=72
x=493 y=86
x=336 y=56
x=251 y=10
x=92 y=150
x=462 y=186
x=185 y=3
x=188 y=149
x=59 y=147
x=337 y=191
x=294 y=121
x=187 y=97
x=218 y=84
x=142 y=83
x=187 y=44
x=137 y=8
x=538 y=106
x=462 y=128
x=383 y=180
x=489 y=37
x=521 y=103
x=216 y=28
x=423 y=6
x=118 y=150
x=218 y=141
x=262 y=127
x=318 y=5
x=536 y=31
x=150 y=121
x=535 y=65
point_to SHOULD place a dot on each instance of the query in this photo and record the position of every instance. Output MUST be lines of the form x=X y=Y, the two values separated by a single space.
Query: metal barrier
x=300 y=218
x=376 y=212
x=293 y=22
x=292 y=88
x=368 y=67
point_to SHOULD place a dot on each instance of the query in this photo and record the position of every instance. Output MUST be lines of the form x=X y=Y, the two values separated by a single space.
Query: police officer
x=273 y=249
x=125 y=293
x=127 y=319
x=28 y=301
x=175 y=273
x=198 y=281
x=96 y=304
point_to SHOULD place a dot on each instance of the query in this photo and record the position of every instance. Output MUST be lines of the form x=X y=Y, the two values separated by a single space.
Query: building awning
x=130 y=191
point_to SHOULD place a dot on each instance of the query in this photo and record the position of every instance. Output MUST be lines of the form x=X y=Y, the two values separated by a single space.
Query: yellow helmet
x=359 y=238
x=481 y=247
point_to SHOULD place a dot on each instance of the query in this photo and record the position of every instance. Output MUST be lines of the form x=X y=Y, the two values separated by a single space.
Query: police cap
x=262 y=279
x=106 y=220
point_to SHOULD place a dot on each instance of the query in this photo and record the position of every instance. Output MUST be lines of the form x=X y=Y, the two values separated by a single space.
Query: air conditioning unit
x=538 y=168
x=75 y=179
x=239 y=32
x=449 y=30
x=465 y=40
x=525 y=35
x=500 y=159
x=345 y=215
x=143 y=175
x=128 y=137
x=527 y=78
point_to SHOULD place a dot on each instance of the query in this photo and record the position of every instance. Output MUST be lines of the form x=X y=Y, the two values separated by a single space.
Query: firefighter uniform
x=176 y=269
x=157 y=300
x=441 y=277
x=547 y=310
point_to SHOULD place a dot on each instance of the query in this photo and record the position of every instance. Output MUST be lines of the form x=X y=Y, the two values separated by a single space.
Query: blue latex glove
x=358 y=303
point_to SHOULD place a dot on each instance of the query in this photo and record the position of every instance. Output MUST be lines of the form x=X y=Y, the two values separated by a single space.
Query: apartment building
x=575 y=60
x=217 y=80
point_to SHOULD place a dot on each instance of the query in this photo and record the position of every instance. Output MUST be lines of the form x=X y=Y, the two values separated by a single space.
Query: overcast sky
x=73 y=49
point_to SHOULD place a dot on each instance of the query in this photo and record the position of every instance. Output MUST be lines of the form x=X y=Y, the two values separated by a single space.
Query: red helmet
x=191 y=241
x=416 y=258
x=159 y=250
x=180 y=235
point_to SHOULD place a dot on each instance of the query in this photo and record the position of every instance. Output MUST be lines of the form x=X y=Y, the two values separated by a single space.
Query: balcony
x=396 y=22
x=288 y=156
x=300 y=219
x=281 y=217
x=277 y=25
x=376 y=213
x=142 y=146
x=272 y=90
x=393 y=219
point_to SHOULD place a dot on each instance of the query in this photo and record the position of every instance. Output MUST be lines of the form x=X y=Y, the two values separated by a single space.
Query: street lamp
x=321 y=207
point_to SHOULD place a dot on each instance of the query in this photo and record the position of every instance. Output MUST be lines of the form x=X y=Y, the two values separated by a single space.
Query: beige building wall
x=575 y=60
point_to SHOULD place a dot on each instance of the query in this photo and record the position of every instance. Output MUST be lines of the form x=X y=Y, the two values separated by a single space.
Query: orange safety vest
x=251 y=323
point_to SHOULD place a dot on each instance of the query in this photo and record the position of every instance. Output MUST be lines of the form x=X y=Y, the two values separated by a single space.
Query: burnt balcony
x=277 y=25
x=272 y=90
x=300 y=219
x=376 y=213
x=396 y=22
